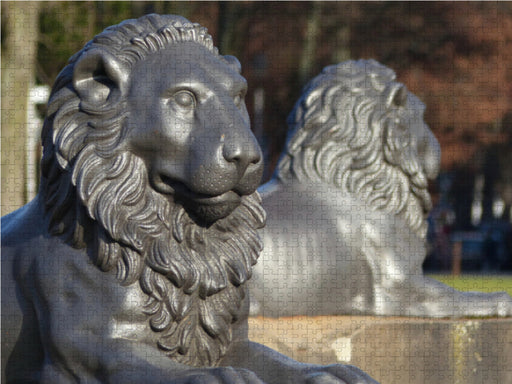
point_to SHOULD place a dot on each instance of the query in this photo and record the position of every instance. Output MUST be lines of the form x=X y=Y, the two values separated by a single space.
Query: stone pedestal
x=397 y=350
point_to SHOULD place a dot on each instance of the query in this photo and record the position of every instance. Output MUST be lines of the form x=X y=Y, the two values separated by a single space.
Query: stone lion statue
x=348 y=203
x=130 y=265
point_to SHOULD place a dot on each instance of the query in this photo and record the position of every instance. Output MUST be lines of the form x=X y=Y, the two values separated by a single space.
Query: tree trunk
x=18 y=64
x=307 y=60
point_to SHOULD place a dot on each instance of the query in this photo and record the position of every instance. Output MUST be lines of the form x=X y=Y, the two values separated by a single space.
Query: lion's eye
x=185 y=99
x=238 y=99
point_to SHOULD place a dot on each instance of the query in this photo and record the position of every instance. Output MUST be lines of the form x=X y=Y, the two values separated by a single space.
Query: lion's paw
x=504 y=305
x=221 y=375
x=337 y=374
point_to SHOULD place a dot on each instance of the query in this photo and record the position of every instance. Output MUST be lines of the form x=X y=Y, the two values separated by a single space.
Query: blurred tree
x=67 y=25
x=19 y=42
x=455 y=57
x=308 y=54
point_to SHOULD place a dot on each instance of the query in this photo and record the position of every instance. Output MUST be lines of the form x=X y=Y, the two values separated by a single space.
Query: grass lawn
x=482 y=283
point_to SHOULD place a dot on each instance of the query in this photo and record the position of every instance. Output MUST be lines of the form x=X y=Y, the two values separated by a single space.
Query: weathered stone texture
x=396 y=350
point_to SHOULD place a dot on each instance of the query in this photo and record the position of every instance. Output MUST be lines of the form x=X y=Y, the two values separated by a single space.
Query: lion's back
x=22 y=232
x=21 y=237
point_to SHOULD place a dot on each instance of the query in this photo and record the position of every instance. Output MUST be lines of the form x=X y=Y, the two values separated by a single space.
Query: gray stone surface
x=397 y=350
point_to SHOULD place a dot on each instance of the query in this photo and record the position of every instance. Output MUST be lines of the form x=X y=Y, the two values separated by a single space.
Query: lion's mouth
x=208 y=207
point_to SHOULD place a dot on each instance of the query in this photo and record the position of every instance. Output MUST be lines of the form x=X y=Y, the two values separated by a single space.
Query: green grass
x=482 y=283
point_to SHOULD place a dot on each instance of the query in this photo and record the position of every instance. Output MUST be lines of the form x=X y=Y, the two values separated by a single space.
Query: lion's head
x=150 y=164
x=357 y=128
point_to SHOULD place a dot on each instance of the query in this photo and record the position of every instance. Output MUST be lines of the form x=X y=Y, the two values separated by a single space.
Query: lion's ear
x=396 y=96
x=233 y=62
x=99 y=77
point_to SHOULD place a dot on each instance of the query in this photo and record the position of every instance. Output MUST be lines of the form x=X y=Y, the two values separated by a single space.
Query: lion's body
x=347 y=206
x=335 y=256
x=56 y=297
x=330 y=251
x=130 y=266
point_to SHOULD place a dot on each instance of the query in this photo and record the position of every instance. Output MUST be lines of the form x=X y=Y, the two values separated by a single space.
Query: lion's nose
x=429 y=151
x=242 y=151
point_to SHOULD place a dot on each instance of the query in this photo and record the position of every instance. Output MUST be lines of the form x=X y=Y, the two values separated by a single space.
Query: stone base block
x=396 y=350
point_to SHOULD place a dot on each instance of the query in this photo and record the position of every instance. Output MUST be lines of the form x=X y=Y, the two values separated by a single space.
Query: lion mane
x=97 y=196
x=340 y=134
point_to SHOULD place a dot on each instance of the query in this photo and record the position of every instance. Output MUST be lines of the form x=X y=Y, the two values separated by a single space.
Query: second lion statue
x=131 y=264
x=348 y=203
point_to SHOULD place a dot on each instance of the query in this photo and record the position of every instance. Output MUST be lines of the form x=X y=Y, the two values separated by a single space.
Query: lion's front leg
x=436 y=299
x=275 y=368
x=422 y=296
x=219 y=375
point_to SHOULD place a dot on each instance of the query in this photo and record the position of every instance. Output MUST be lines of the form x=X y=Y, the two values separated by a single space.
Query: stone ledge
x=397 y=350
